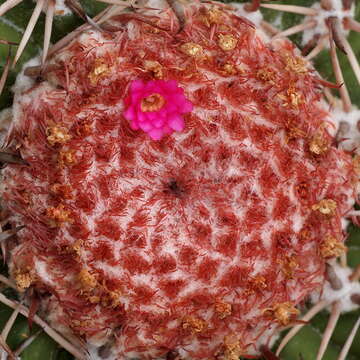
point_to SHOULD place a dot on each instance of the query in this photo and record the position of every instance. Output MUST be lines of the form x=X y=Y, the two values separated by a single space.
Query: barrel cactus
x=179 y=180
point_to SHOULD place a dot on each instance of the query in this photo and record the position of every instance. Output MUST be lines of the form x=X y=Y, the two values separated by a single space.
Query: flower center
x=153 y=102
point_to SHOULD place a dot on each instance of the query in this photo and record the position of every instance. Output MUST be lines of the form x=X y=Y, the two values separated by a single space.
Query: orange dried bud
x=291 y=98
x=356 y=164
x=295 y=64
x=76 y=247
x=229 y=69
x=227 y=42
x=331 y=247
x=67 y=157
x=223 y=309
x=214 y=15
x=283 y=312
x=80 y=325
x=57 y=135
x=192 y=49
x=23 y=278
x=111 y=299
x=154 y=67
x=64 y=191
x=193 y=324
x=295 y=133
x=231 y=349
x=266 y=75
x=325 y=207
x=319 y=144
x=288 y=266
x=257 y=283
x=100 y=69
x=305 y=234
x=294 y=97
x=87 y=280
x=58 y=215
x=94 y=299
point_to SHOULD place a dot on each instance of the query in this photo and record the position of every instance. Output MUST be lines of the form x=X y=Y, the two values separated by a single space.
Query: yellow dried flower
x=331 y=247
x=100 y=69
x=195 y=325
x=227 y=42
x=223 y=309
x=57 y=135
x=283 y=312
x=192 y=49
x=325 y=207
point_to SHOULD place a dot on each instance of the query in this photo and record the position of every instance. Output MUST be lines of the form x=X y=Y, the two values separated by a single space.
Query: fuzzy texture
x=200 y=244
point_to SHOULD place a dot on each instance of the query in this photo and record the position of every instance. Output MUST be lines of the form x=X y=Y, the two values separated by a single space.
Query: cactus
x=39 y=346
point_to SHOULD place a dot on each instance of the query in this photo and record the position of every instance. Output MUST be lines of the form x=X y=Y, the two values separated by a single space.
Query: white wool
x=321 y=27
x=61 y=9
x=347 y=125
x=156 y=4
x=23 y=82
x=5 y=121
x=43 y=273
x=254 y=16
x=343 y=295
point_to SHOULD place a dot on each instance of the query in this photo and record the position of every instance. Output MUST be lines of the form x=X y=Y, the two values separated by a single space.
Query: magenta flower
x=156 y=107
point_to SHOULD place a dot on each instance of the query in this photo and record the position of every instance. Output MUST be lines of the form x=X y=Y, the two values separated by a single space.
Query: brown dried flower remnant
x=295 y=64
x=67 y=157
x=57 y=135
x=231 y=349
x=212 y=16
x=100 y=70
x=154 y=67
x=223 y=309
x=87 y=280
x=195 y=325
x=291 y=98
x=356 y=164
x=192 y=49
x=23 y=279
x=288 y=266
x=325 y=207
x=58 y=215
x=62 y=190
x=230 y=69
x=283 y=312
x=319 y=144
x=111 y=299
x=266 y=75
x=227 y=42
x=331 y=247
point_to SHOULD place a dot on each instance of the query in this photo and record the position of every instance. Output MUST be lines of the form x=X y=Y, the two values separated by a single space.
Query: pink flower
x=156 y=107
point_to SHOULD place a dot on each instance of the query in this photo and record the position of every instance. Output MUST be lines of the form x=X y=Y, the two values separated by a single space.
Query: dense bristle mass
x=200 y=244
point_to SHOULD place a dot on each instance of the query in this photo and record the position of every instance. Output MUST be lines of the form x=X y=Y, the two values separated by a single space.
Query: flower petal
x=137 y=85
x=156 y=134
x=167 y=118
x=145 y=126
x=187 y=107
x=129 y=114
x=134 y=125
x=176 y=122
